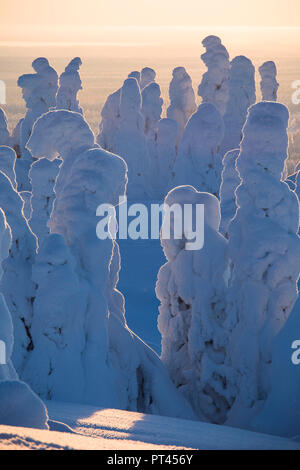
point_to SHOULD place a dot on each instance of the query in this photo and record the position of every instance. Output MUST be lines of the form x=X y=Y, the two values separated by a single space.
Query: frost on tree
x=16 y=284
x=281 y=412
x=19 y=406
x=268 y=83
x=192 y=318
x=214 y=87
x=147 y=76
x=151 y=109
x=4 y=132
x=26 y=196
x=84 y=323
x=199 y=162
x=264 y=248
x=241 y=97
x=230 y=180
x=7 y=163
x=130 y=141
x=42 y=176
x=182 y=98
x=39 y=92
x=163 y=159
x=69 y=85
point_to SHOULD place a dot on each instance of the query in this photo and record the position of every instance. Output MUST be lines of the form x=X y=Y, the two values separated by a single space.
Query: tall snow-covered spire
x=182 y=98
x=199 y=161
x=39 y=92
x=264 y=248
x=147 y=76
x=129 y=139
x=69 y=85
x=241 y=97
x=214 y=87
x=151 y=108
x=268 y=83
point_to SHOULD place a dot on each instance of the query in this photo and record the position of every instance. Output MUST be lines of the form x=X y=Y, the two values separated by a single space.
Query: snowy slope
x=118 y=429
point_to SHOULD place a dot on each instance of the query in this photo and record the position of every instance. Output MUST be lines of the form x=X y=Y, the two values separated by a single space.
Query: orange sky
x=151 y=22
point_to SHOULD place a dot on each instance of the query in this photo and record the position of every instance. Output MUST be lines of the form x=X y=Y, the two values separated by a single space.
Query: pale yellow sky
x=150 y=22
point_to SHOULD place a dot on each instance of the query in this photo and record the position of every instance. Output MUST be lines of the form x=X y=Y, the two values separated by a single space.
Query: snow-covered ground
x=110 y=429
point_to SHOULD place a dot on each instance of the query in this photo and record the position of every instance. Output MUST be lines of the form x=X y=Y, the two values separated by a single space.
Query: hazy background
x=117 y=36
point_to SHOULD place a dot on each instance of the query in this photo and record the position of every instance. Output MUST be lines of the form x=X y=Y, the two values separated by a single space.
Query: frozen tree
x=241 y=97
x=151 y=108
x=19 y=406
x=110 y=116
x=268 y=83
x=147 y=76
x=264 y=248
x=135 y=74
x=214 y=87
x=39 y=92
x=130 y=141
x=281 y=413
x=182 y=98
x=4 y=132
x=229 y=182
x=16 y=284
x=42 y=175
x=192 y=319
x=85 y=324
x=199 y=161
x=163 y=159
x=69 y=85
x=7 y=163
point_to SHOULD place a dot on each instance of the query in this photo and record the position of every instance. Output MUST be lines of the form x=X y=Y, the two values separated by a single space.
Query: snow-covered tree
x=163 y=159
x=151 y=108
x=130 y=141
x=268 y=83
x=230 y=180
x=16 y=284
x=7 y=163
x=110 y=115
x=42 y=175
x=4 y=132
x=199 y=161
x=19 y=406
x=281 y=412
x=264 y=248
x=114 y=368
x=182 y=98
x=69 y=85
x=147 y=76
x=39 y=92
x=214 y=87
x=241 y=97
x=193 y=319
